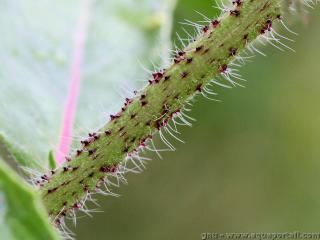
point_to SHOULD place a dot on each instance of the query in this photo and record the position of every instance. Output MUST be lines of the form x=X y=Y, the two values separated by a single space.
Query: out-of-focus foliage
x=22 y=215
x=250 y=163
x=36 y=52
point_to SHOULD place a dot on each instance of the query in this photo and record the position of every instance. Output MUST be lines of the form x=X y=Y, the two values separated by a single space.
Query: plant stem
x=75 y=79
x=160 y=101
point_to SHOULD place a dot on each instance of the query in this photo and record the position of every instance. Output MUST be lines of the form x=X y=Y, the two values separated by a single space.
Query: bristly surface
x=162 y=100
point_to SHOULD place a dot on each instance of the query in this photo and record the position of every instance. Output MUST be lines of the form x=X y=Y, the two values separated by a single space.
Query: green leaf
x=22 y=215
x=36 y=56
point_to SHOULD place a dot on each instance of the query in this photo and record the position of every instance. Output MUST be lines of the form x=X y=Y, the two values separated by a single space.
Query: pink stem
x=80 y=36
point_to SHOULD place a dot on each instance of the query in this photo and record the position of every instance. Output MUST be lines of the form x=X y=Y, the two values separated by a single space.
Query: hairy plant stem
x=167 y=93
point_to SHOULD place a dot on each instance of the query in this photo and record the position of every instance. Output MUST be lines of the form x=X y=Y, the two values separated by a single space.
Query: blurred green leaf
x=36 y=52
x=22 y=215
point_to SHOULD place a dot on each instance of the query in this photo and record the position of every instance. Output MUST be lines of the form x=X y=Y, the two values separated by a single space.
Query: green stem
x=164 y=97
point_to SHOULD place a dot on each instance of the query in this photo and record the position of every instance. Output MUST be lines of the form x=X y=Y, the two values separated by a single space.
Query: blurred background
x=250 y=163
